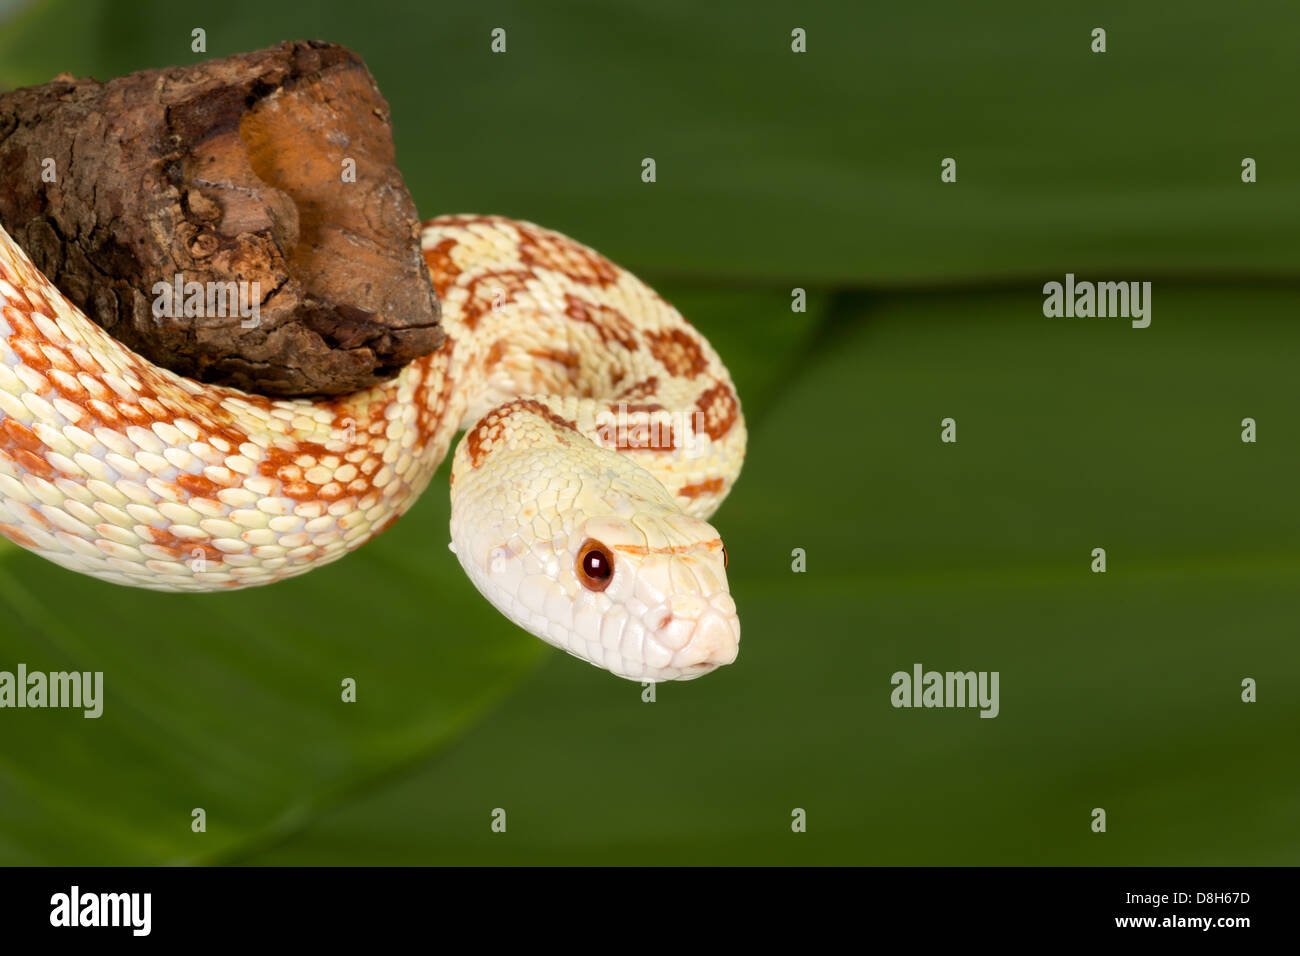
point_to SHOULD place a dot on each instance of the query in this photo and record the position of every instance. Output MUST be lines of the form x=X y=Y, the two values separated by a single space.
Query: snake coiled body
x=600 y=431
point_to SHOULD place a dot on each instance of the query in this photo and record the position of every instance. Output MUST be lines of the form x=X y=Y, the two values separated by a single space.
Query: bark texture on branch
x=235 y=170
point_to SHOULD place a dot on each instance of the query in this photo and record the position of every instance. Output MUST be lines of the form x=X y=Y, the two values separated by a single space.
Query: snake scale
x=601 y=431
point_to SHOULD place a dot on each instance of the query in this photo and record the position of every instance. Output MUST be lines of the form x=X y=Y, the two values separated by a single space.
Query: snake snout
x=713 y=642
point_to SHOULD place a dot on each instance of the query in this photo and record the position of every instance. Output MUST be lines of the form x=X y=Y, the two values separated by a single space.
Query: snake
x=600 y=432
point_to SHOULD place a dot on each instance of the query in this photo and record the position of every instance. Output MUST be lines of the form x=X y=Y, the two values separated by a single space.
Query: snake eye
x=725 y=561
x=595 y=565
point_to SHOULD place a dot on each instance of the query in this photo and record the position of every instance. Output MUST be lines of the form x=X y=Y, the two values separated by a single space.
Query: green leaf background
x=775 y=171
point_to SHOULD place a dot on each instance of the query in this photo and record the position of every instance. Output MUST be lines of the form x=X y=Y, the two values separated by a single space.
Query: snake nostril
x=675 y=633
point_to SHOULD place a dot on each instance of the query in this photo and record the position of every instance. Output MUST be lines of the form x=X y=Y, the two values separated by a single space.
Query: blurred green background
x=779 y=170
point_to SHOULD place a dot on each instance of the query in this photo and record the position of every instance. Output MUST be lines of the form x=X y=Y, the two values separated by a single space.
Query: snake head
x=652 y=598
x=633 y=585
